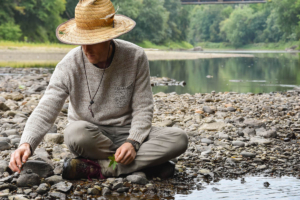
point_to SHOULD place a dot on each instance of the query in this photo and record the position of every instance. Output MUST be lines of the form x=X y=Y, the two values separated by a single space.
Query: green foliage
x=162 y=22
x=112 y=162
x=10 y=31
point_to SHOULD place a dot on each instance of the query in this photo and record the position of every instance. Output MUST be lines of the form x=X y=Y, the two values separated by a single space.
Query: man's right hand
x=20 y=155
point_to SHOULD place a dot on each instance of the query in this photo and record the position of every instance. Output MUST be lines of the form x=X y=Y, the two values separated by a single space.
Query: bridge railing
x=221 y=1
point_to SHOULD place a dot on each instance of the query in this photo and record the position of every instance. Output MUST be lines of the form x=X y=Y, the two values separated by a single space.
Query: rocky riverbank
x=230 y=135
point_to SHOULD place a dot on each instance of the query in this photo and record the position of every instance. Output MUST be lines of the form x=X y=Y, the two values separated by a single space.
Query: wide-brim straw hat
x=95 y=22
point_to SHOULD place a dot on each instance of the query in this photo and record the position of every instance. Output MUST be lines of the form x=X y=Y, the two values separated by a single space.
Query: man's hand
x=125 y=154
x=20 y=155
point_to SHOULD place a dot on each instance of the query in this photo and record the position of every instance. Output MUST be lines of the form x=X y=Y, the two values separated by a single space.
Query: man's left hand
x=125 y=154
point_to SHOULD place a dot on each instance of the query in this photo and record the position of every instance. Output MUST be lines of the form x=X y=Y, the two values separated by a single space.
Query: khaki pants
x=98 y=142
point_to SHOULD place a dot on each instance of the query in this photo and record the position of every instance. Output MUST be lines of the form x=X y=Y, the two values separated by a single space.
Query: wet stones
x=208 y=110
x=41 y=168
x=54 y=179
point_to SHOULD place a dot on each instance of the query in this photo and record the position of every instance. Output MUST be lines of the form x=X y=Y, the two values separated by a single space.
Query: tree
x=236 y=27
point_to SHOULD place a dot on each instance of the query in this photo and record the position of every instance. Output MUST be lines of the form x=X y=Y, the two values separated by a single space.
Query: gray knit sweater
x=124 y=97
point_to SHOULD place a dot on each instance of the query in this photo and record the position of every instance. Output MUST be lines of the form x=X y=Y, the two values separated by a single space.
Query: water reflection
x=262 y=73
x=285 y=188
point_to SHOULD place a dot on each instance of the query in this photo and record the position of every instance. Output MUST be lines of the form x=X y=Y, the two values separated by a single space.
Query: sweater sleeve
x=142 y=103
x=45 y=114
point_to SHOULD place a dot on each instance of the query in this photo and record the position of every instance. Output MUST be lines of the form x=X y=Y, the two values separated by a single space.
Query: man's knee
x=78 y=133
x=182 y=140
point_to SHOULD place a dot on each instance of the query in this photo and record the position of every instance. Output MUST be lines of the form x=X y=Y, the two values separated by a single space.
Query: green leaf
x=112 y=162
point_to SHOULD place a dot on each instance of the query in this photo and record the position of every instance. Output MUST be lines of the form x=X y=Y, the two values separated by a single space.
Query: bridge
x=190 y=2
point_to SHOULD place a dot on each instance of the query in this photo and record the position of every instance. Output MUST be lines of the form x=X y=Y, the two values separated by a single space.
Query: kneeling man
x=111 y=103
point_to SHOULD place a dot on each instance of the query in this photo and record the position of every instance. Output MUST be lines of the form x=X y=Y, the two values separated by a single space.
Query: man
x=111 y=103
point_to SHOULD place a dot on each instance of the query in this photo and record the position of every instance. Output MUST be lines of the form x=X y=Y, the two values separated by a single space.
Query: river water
x=284 y=188
x=264 y=73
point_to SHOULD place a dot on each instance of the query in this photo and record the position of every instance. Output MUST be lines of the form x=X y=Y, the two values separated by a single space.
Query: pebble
x=55 y=138
x=28 y=180
x=41 y=168
x=43 y=188
x=248 y=154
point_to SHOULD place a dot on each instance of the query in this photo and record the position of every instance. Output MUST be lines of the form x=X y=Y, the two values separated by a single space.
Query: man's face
x=97 y=52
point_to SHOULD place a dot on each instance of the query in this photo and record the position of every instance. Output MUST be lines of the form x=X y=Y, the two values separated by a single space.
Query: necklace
x=92 y=99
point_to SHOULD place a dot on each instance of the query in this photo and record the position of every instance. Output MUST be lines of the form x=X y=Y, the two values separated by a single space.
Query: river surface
x=264 y=73
x=284 y=188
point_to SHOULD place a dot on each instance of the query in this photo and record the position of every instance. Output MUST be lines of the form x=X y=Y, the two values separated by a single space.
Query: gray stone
x=254 y=123
x=9 y=186
x=238 y=143
x=260 y=141
x=11 y=132
x=7 y=179
x=266 y=134
x=27 y=191
x=4 y=146
x=3 y=166
x=123 y=189
x=166 y=123
x=41 y=168
x=41 y=152
x=53 y=129
x=4 y=107
x=17 y=197
x=222 y=135
x=4 y=139
x=208 y=110
x=248 y=154
x=231 y=109
x=63 y=186
x=137 y=179
x=249 y=132
x=55 y=138
x=15 y=141
x=206 y=141
x=261 y=167
x=106 y=191
x=43 y=188
x=58 y=195
x=216 y=126
x=117 y=185
x=93 y=191
x=54 y=179
x=28 y=180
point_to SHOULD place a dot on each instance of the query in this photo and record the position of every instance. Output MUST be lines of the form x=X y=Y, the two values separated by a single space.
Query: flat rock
x=253 y=123
x=208 y=110
x=238 y=143
x=43 y=188
x=28 y=180
x=4 y=146
x=4 y=139
x=249 y=132
x=106 y=191
x=6 y=179
x=166 y=123
x=55 y=138
x=137 y=179
x=58 y=195
x=54 y=179
x=222 y=135
x=206 y=141
x=4 y=107
x=117 y=185
x=260 y=141
x=11 y=132
x=216 y=126
x=18 y=197
x=63 y=186
x=41 y=168
x=93 y=191
x=248 y=154
x=3 y=166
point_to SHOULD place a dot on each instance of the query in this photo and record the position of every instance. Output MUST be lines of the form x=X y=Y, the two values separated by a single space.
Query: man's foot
x=163 y=171
x=78 y=168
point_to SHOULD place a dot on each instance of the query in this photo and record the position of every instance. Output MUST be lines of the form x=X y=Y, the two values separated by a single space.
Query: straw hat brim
x=69 y=33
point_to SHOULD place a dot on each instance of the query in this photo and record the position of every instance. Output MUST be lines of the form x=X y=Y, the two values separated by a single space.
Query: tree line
x=161 y=21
